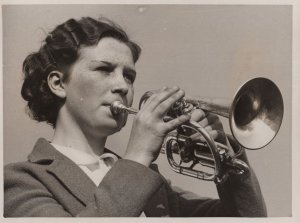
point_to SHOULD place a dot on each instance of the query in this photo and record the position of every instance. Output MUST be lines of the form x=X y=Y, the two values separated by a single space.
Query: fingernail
x=181 y=92
x=175 y=88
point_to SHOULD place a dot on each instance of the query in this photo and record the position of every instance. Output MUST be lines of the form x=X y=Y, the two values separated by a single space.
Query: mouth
x=108 y=104
x=111 y=109
x=119 y=117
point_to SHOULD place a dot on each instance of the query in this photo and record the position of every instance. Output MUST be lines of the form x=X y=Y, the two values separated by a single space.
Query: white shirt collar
x=82 y=158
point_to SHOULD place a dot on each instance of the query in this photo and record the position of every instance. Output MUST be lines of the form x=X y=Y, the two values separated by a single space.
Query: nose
x=120 y=86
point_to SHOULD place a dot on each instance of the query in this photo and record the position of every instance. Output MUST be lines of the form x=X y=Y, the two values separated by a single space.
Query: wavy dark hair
x=58 y=52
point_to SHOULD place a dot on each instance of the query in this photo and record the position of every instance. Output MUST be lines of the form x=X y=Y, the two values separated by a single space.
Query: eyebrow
x=101 y=61
x=111 y=64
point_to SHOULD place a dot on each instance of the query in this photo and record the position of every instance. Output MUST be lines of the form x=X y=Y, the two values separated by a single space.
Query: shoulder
x=19 y=167
x=22 y=173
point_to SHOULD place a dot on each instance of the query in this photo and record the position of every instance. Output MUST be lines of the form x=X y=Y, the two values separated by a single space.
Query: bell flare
x=256 y=113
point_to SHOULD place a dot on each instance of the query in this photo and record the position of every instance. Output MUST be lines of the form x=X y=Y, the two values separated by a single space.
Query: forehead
x=110 y=50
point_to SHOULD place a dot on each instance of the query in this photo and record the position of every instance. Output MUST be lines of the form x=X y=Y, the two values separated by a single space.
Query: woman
x=82 y=67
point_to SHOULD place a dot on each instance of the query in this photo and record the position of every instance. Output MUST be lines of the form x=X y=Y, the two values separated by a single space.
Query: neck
x=68 y=133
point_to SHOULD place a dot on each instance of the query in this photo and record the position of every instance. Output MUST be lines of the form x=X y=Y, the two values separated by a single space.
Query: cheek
x=87 y=93
x=84 y=89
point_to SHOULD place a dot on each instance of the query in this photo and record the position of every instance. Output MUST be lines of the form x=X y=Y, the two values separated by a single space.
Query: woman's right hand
x=149 y=129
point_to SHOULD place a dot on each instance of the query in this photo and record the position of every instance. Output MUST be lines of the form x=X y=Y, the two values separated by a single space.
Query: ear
x=56 y=84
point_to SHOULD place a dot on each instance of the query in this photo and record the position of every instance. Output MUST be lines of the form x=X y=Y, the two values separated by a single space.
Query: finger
x=208 y=128
x=216 y=126
x=153 y=94
x=165 y=106
x=198 y=115
x=211 y=117
x=221 y=137
x=215 y=122
x=174 y=123
x=218 y=136
x=197 y=137
x=209 y=120
x=204 y=122
x=213 y=134
x=162 y=96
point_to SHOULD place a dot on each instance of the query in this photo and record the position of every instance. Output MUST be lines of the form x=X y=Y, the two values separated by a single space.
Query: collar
x=44 y=151
x=83 y=158
x=68 y=173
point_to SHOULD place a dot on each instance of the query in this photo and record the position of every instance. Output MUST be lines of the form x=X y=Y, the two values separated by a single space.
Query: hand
x=149 y=129
x=212 y=124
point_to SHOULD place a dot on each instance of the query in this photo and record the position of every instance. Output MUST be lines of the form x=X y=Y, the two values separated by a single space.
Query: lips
x=109 y=103
x=106 y=104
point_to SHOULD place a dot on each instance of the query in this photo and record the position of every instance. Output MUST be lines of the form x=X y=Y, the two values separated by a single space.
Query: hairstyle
x=57 y=53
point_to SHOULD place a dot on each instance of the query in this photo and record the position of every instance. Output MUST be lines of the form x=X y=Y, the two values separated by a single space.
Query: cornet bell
x=256 y=113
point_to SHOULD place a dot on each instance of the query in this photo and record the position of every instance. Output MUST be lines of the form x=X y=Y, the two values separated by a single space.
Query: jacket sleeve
x=239 y=196
x=124 y=191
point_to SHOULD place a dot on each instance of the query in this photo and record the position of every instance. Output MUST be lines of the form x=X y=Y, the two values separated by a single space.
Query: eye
x=130 y=76
x=105 y=69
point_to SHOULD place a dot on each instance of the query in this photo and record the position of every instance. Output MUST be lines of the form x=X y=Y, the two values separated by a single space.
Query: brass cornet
x=255 y=116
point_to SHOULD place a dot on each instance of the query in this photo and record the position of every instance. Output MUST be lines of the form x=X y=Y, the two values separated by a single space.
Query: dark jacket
x=51 y=185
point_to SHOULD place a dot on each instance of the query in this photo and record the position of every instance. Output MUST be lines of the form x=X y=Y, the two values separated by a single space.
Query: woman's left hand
x=213 y=125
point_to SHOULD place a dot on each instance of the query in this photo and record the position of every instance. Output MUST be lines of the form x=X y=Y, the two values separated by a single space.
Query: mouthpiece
x=117 y=107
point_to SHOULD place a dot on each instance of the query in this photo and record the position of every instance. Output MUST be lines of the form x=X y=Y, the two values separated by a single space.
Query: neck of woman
x=68 y=133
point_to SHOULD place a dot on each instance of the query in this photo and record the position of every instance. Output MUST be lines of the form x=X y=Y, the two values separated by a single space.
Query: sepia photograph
x=147 y=110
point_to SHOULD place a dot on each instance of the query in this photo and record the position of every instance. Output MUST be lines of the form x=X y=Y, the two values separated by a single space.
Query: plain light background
x=209 y=51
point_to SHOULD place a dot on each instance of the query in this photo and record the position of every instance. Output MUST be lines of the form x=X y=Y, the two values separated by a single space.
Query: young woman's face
x=103 y=73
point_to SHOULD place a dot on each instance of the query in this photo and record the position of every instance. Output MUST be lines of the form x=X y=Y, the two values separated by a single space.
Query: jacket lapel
x=67 y=172
x=80 y=185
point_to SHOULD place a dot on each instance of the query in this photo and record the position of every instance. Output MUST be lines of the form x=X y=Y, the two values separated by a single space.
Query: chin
x=106 y=124
x=112 y=126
